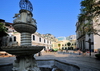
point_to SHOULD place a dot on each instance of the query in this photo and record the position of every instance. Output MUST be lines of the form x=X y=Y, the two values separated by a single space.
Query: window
x=33 y=37
x=47 y=41
x=10 y=40
x=14 y=38
x=50 y=42
x=39 y=39
x=44 y=40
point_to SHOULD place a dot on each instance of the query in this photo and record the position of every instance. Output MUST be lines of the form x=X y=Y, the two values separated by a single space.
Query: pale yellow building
x=63 y=44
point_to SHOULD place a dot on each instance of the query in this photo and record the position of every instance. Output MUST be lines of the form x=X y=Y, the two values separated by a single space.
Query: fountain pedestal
x=25 y=63
x=26 y=25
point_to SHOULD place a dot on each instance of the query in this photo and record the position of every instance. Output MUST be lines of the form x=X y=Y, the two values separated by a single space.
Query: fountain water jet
x=26 y=25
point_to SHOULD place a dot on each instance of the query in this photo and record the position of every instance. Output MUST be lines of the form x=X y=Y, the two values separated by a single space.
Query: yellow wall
x=62 y=44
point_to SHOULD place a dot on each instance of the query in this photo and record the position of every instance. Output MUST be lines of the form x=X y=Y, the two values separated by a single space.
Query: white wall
x=47 y=45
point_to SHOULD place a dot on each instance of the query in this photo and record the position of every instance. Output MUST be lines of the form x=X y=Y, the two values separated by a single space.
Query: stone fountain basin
x=24 y=27
x=48 y=65
x=53 y=63
x=22 y=50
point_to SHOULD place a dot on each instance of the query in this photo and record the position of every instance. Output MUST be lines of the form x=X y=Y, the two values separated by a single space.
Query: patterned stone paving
x=86 y=63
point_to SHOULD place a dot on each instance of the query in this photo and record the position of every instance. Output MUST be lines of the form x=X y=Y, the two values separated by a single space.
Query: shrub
x=97 y=56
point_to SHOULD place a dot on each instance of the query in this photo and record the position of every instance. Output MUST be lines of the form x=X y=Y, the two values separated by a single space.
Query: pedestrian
x=79 y=52
x=39 y=53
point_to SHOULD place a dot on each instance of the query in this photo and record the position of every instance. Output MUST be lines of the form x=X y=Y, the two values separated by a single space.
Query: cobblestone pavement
x=6 y=60
x=85 y=62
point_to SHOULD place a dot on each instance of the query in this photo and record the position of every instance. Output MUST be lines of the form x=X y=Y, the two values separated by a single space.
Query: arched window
x=10 y=39
x=44 y=40
x=33 y=37
x=39 y=39
x=14 y=38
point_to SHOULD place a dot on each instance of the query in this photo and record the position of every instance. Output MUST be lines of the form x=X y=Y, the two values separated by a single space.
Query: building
x=82 y=39
x=47 y=40
x=71 y=37
x=61 y=42
x=9 y=39
x=42 y=40
x=88 y=41
x=39 y=39
x=61 y=38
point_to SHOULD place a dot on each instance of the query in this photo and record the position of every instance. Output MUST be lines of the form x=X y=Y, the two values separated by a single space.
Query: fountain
x=26 y=25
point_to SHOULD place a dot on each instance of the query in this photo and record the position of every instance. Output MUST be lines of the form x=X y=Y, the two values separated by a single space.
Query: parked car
x=51 y=50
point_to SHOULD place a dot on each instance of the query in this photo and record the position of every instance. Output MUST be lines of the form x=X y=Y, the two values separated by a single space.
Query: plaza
x=85 y=63
x=48 y=43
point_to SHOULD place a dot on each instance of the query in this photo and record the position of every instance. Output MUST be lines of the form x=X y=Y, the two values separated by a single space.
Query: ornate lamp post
x=26 y=25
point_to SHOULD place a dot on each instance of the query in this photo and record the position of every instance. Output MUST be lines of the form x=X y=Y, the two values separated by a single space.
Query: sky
x=56 y=17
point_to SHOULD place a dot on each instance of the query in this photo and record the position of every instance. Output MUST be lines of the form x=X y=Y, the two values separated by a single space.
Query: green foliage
x=3 y=30
x=59 y=45
x=87 y=6
x=68 y=43
x=89 y=10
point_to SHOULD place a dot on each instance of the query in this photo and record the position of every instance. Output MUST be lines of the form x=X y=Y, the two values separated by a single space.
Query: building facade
x=39 y=39
x=87 y=41
x=61 y=42
x=82 y=39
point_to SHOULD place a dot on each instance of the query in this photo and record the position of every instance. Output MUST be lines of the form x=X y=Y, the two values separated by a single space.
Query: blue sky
x=57 y=17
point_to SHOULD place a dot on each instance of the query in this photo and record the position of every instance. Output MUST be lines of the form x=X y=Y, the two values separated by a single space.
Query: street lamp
x=90 y=43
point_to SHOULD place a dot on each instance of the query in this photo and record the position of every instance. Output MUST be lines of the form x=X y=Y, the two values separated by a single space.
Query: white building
x=38 y=39
x=83 y=39
x=72 y=37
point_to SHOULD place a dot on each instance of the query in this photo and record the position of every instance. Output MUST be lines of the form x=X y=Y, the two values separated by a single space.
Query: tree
x=68 y=44
x=90 y=9
x=3 y=30
x=59 y=45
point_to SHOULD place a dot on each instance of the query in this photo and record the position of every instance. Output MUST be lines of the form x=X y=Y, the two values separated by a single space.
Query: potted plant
x=97 y=56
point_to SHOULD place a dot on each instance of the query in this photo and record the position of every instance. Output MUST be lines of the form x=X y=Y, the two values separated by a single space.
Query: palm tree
x=59 y=45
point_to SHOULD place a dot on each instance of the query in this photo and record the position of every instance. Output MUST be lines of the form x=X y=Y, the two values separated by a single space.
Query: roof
x=1 y=20
x=8 y=24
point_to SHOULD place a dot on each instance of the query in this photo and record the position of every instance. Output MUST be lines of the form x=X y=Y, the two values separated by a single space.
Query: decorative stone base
x=24 y=57
x=25 y=63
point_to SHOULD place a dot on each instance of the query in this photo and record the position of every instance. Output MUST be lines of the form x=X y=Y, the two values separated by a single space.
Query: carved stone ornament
x=25 y=63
